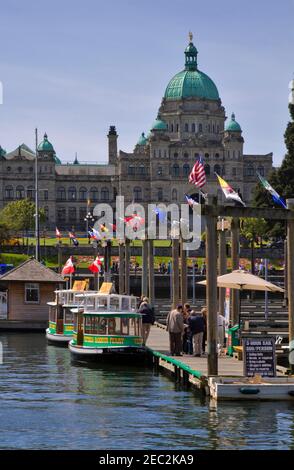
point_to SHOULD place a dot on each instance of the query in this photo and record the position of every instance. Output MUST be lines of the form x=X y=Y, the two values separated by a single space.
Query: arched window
x=260 y=170
x=137 y=194
x=30 y=192
x=104 y=194
x=160 y=194
x=206 y=155
x=61 y=214
x=61 y=194
x=207 y=169
x=8 y=192
x=176 y=155
x=186 y=127
x=175 y=170
x=141 y=170
x=174 y=195
x=159 y=171
x=72 y=193
x=177 y=127
x=131 y=169
x=83 y=194
x=171 y=127
x=186 y=155
x=193 y=129
x=217 y=155
x=94 y=194
x=159 y=153
x=217 y=169
x=196 y=155
x=200 y=127
x=186 y=169
x=20 y=192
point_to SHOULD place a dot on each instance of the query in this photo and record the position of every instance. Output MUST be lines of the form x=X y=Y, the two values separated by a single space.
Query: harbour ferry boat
x=61 y=317
x=107 y=327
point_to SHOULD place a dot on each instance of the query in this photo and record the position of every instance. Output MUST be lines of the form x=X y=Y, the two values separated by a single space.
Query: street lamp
x=87 y=219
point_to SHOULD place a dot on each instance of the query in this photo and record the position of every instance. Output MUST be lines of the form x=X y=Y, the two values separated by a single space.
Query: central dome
x=191 y=83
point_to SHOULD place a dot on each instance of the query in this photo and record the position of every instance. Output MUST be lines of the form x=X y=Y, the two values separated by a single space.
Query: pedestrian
x=175 y=327
x=196 y=325
x=204 y=338
x=186 y=334
x=221 y=325
x=147 y=318
x=203 y=270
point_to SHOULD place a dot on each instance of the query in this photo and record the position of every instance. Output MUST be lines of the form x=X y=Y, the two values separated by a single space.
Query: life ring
x=111 y=326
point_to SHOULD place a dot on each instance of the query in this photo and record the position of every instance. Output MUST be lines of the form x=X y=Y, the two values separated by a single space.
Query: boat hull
x=127 y=355
x=57 y=339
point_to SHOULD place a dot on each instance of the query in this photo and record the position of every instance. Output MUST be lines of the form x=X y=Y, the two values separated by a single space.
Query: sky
x=73 y=68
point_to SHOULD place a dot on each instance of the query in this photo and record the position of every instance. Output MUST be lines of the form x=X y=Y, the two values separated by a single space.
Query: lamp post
x=87 y=219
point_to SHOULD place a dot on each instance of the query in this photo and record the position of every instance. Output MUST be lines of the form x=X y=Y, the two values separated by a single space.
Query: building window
x=217 y=169
x=196 y=155
x=72 y=193
x=186 y=127
x=207 y=169
x=61 y=214
x=94 y=194
x=213 y=129
x=174 y=195
x=46 y=210
x=193 y=129
x=171 y=127
x=177 y=127
x=234 y=171
x=8 y=168
x=165 y=153
x=186 y=169
x=229 y=154
x=176 y=170
x=32 y=293
x=260 y=170
x=217 y=155
x=45 y=194
x=141 y=169
x=131 y=169
x=160 y=194
x=72 y=214
x=30 y=192
x=250 y=171
x=159 y=171
x=20 y=192
x=233 y=154
x=61 y=194
x=19 y=169
x=223 y=170
x=83 y=194
x=82 y=213
x=176 y=155
x=105 y=194
x=137 y=194
x=206 y=155
x=9 y=192
x=208 y=128
x=200 y=127
x=186 y=155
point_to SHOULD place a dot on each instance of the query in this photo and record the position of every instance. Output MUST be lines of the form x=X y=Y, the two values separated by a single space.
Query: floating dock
x=229 y=384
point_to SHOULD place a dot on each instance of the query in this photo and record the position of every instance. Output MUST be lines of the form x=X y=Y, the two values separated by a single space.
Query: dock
x=229 y=384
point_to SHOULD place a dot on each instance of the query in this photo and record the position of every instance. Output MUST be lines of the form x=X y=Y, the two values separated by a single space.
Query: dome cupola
x=233 y=125
x=142 y=140
x=159 y=125
x=45 y=145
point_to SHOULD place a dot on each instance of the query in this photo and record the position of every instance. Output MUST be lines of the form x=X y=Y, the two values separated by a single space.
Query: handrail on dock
x=199 y=375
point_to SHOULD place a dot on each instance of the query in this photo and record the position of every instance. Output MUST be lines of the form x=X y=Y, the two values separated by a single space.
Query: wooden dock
x=228 y=384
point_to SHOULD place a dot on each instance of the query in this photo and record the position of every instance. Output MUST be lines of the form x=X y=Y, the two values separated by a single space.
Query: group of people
x=187 y=330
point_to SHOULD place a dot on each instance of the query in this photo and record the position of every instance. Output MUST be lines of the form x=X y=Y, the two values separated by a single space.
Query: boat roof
x=99 y=294
x=108 y=313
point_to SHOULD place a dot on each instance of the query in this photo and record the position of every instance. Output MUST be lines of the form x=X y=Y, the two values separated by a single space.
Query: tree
x=20 y=215
x=252 y=229
x=4 y=233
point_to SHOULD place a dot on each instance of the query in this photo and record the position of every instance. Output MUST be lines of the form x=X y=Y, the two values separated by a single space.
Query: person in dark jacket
x=147 y=318
x=197 y=326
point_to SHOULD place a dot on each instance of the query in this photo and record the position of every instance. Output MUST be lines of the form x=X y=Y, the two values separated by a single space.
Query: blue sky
x=73 y=68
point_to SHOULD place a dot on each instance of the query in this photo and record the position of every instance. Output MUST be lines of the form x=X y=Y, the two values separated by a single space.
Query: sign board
x=80 y=285
x=106 y=288
x=259 y=356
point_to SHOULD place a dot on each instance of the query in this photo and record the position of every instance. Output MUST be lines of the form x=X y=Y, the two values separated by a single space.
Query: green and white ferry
x=61 y=317
x=107 y=327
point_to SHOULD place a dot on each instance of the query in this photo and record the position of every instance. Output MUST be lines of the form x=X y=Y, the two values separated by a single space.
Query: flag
x=276 y=197
x=90 y=234
x=197 y=175
x=161 y=213
x=95 y=234
x=191 y=201
x=95 y=267
x=57 y=233
x=73 y=238
x=228 y=190
x=68 y=268
x=103 y=228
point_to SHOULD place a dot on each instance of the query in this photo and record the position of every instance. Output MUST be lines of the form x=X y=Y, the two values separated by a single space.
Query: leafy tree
x=4 y=233
x=252 y=229
x=20 y=215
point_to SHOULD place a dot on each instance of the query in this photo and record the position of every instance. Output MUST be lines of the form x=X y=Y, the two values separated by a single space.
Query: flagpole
x=37 y=220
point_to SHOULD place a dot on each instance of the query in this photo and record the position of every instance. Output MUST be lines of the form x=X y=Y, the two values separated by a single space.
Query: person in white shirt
x=221 y=325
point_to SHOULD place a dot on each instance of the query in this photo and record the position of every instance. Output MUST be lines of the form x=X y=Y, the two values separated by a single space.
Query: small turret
x=112 y=145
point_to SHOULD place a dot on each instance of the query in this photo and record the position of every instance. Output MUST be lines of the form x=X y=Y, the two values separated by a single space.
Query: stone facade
x=191 y=122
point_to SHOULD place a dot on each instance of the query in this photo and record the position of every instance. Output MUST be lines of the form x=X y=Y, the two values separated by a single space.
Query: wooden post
x=285 y=302
x=290 y=277
x=175 y=272
x=211 y=291
x=235 y=234
x=150 y=271
x=121 y=279
x=59 y=248
x=222 y=268
x=144 y=278
x=127 y=266
x=183 y=273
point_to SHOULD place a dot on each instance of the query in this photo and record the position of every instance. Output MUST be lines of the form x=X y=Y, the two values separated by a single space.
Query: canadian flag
x=57 y=233
x=68 y=268
x=95 y=267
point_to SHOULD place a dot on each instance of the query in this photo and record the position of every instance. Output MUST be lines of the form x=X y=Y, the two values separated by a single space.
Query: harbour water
x=48 y=403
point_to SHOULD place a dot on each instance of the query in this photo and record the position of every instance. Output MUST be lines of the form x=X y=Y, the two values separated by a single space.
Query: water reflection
x=46 y=402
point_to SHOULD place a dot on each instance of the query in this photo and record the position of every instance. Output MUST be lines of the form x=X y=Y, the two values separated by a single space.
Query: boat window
x=95 y=325
x=52 y=314
x=101 y=303
x=114 y=303
x=125 y=326
x=114 y=326
x=75 y=322
x=68 y=316
x=134 y=304
x=125 y=303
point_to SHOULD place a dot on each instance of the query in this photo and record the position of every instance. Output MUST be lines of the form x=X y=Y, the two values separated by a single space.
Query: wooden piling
x=150 y=271
x=222 y=268
x=175 y=272
x=144 y=279
x=121 y=280
x=235 y=234
x=183 y=273
x=127 y=266
x=290 y=276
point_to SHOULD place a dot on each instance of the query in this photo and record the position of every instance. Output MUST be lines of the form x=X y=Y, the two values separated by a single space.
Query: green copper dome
x=159 y=125
x=2 y=152
x=191 y=82
x=57 y=160
x=142 y=140
x=45 y=145
x=233 y=125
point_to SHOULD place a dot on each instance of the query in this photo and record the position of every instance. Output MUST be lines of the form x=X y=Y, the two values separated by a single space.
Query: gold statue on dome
x=190 y=36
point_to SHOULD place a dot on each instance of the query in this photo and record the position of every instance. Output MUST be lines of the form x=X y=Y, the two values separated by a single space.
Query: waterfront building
x=191 y=121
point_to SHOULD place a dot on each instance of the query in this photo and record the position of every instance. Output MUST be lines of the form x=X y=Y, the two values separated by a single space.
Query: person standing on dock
x=175 y=327
x=147 y=318
x=197 y=327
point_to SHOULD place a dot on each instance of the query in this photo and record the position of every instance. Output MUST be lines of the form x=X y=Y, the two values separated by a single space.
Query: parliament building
x=191 y=121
